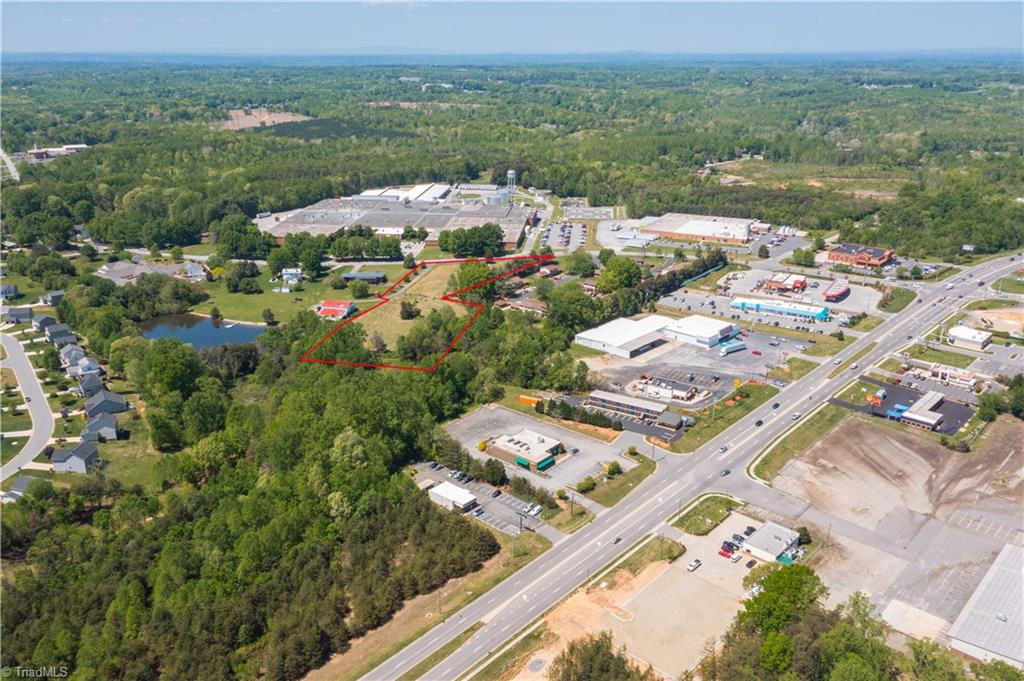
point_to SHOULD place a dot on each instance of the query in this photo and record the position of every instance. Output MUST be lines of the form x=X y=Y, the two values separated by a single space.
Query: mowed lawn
x=724 y=415
x=947 y=357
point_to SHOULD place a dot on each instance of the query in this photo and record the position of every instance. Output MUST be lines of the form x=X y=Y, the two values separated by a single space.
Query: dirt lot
x=862 y=471
x=1008 y=320
x=238 y=119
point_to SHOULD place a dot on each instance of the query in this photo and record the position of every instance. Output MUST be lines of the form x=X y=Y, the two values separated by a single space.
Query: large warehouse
x=703 y=331
x=626 y=337
x=702 y=228
x=991 y=625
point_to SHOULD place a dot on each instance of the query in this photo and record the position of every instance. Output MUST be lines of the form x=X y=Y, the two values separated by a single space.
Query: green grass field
x=799 y=440
x=991 y=304
x=947 y=357
x=706 y=515
x=793 y=369
x=610 y=492
x=857 y=392
x=867 y=323
x=898 y=301
x=133 y=460
x=711 y=424
x=1011 y=284
x=709 y=282
x=12 y=422
x=658 y=548
x=561 y=520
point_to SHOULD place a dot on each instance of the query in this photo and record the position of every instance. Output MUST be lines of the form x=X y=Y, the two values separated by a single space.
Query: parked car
x=694 y=564
x=725 y=554
x=729 y=546
x=736 y=558
x=496 y=493
x=755 y=352
x=738 y=539
x=478 y=511
x=751 y=563
x=536 y=512
x=750 y=530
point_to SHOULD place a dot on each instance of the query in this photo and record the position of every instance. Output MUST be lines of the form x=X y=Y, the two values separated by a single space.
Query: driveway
x=38 y=407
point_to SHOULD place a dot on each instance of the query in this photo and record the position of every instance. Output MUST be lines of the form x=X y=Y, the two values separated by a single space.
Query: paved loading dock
x=491 y=420
x=954 y=414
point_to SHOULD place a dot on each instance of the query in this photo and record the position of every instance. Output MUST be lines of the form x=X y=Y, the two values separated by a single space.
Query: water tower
x=511 y=175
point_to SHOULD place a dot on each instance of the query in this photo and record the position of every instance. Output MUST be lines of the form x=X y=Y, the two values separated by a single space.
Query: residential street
x=38 y=407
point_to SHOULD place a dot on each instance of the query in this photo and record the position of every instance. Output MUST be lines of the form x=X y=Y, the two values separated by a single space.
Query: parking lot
x=649 y=625
x=501 y=512
x=630 y=423
x=595 y=213
x=569 y=236
x=954 y=414
x=859 y=299
x=491 y=420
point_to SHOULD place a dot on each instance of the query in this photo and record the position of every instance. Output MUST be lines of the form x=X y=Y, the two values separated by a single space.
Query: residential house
x=54 y=330
x=70 y=354
x=40 y=322
x=18 y=315
x=52 y=297
x=105 y=402
x=534 y=307
x=100 y=428
x=85 y=365
x=8 y=291
x=17 y=490
x=78 y=459
x=291 y=276
x=90 y=384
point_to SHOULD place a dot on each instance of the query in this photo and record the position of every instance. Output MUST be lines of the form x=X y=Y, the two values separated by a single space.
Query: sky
x=509 y=27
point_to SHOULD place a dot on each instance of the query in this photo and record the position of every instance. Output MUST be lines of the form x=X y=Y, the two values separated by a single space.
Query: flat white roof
x=698 y=325
x=993 y=618
x=967 y=333
x=528 y=444
x=702 y=225
x=453 y=493
x=627 y=399
x=772 y=538
x=623 y=331
x=923 y=410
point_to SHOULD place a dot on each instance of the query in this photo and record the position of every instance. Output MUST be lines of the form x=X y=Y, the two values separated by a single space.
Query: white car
x=796 y=416
x=838 y=362
x=694 y=564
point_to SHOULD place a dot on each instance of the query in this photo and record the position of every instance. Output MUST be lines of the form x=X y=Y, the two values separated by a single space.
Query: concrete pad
x=915 y=622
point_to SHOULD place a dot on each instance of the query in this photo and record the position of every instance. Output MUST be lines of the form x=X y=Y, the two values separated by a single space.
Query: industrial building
x=703 y=331
x=781 y=307
x=966 y=337
x=626 y=337
x=771 y=541
x=526 y=449
x=452 y=497
x=856 y=255
x=712 y=228
x=922 y=413
x=783 y=281
x=388 y=211
x=837 y=290
x=991 y=625
x=626 y=405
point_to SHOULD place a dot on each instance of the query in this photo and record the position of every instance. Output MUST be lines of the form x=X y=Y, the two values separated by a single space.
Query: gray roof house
x=41 y=321
x=369 y=276
x=78 y=459
x=54 y=330
x=90 y=384
x=17 y=490
x=84 y=365
x=105 y=402
x=53 y=297
x=8 y=291
x=18 y=315
x=63 y=338
x=70 y=354
x=100 y=428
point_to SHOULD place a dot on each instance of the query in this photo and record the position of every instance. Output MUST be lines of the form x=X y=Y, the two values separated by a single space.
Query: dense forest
x=161 y=171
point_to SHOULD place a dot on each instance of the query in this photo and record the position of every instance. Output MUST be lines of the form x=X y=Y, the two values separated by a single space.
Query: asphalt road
x=525 y=595
x=38 y=407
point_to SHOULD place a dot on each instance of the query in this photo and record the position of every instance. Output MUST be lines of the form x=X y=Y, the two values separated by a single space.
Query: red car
x=755 y=352
x=725 y=554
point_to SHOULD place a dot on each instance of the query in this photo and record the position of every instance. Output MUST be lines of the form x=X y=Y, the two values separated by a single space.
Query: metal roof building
x=699 y=330
x=922 y=413
x=770 y=541
x=625 y=337
x=991 y=625
x=452 y=497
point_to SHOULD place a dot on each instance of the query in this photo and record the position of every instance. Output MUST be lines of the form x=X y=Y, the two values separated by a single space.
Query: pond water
x=200 y=332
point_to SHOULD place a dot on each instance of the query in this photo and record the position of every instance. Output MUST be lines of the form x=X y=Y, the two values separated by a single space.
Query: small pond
x=200 y=332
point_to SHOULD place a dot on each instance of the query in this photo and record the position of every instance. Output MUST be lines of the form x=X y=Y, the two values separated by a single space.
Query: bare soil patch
x=240 y=119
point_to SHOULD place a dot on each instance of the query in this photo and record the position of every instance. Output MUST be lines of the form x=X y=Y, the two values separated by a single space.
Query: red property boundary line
x=533 y=260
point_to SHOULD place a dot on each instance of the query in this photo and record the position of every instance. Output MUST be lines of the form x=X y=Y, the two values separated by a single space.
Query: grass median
x=850 y=362
x=611 y=491
x=799 y=440
x=712 y=421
